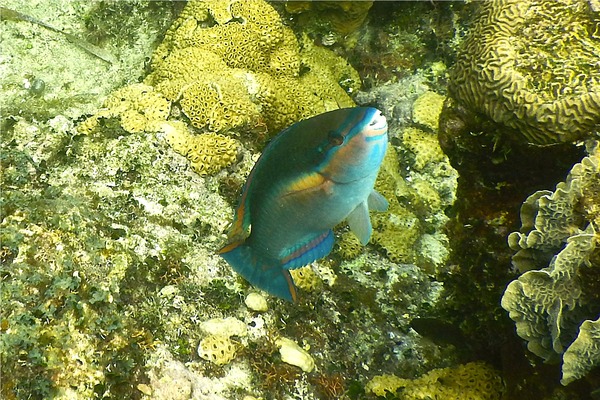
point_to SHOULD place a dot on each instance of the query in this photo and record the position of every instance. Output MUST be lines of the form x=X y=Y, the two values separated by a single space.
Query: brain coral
x=234 y=65
x=472 y=381
x=556 y=302
x=533 y=66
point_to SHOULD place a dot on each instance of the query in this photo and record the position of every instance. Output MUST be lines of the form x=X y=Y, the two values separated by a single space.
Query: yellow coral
x=516 y=67
x=305 y=278
x=217 y=349
x=398 y=229
x=243 y=71
x=138 y=107
x=472 y=381
x=208 y=153
x=348 y=246
x=424 y=147
x=181 y=67
x=427 y=109
x=220 y=103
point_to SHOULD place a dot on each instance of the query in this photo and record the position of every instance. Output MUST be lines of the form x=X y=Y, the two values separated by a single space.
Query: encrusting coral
x=398 y=229
x=208 y=153
x=230 y=67
x=137 y=107
x=555 y=300
x=233 y=64
x=472 y=381
x=533 y=66
x=418 y=192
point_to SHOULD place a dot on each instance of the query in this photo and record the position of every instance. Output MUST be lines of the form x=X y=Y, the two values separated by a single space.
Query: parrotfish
x=313 y=175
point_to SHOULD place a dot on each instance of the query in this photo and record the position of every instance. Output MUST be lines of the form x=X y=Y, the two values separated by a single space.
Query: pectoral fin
x=360 y=223
x=377 y=202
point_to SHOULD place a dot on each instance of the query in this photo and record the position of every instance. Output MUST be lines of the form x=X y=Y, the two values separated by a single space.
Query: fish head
x=355 y=145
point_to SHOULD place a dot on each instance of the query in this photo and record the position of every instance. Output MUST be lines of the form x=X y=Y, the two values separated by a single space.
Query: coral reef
x=137 y=107
x=207 y=153
x=218 y=349
x=306 y=278
x=398 y=229
x=516 y=67
x=419 y=183
x=171 y=379
x=234 y=65
x=555 y=300
x=427 y=109
x=473 y=381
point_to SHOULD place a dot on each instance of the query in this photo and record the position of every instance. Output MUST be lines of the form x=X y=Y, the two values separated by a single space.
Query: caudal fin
x=264 y=273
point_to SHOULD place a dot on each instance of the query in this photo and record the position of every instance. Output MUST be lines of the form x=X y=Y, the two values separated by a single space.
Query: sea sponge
x=471 y=381
x=208 y=153
x=533 y=66
x=137 y=107
x=217 y=349
x=558 y=292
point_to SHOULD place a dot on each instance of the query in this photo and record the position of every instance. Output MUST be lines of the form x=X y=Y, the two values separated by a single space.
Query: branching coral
x=556 y=299
x=533 y=66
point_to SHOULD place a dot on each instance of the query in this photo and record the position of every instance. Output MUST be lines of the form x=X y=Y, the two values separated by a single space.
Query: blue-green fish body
x=312 y=176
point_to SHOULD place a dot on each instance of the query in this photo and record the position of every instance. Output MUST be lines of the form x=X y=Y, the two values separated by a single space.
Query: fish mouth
x=378 y=124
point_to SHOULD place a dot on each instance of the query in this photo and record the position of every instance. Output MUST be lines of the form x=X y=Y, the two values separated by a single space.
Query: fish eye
x=335 y=138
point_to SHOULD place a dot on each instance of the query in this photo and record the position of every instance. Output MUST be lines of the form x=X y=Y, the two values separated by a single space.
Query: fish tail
x=262 y=272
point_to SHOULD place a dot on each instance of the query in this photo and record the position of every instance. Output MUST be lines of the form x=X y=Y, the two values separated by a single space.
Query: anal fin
x=360 y=223
x=310 y=250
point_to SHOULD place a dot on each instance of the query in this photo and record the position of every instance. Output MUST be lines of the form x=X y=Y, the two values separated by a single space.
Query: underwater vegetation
x=119 y=182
